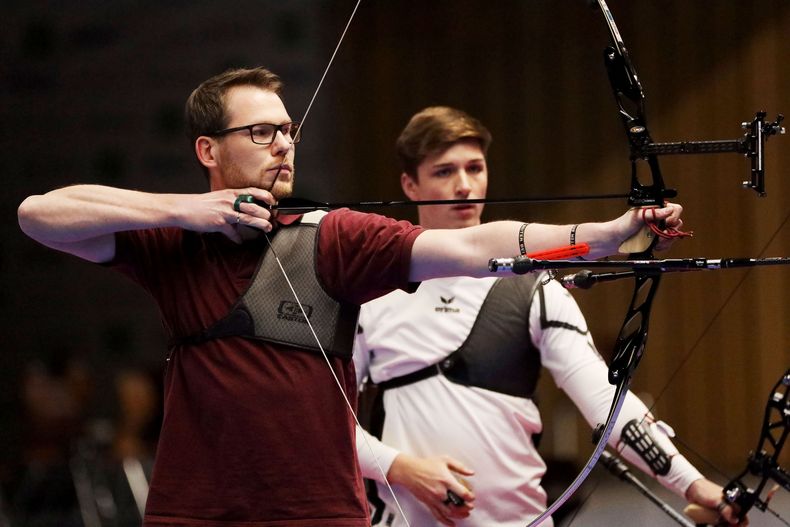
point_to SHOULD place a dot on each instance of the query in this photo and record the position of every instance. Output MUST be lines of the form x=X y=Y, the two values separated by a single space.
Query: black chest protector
x=498 y=353
x=268 y=311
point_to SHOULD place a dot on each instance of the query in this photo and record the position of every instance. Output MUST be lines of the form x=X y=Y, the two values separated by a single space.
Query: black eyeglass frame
x=295 y=138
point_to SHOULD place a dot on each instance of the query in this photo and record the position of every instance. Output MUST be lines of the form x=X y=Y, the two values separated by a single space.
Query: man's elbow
x=29 y=214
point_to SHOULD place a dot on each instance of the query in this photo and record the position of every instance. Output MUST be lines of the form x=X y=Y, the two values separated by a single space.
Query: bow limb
x=630 y=101
x=605 y=431
x=629 y=348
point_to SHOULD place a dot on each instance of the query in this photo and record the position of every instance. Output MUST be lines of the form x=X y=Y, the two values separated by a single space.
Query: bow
x=631 y=341
x=762 y=462
x=627 y=89
x=632 y=338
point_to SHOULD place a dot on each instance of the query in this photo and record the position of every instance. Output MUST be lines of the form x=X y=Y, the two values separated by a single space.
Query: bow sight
x=751 y=145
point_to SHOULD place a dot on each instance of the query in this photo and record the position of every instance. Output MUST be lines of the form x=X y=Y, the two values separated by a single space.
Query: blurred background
x=93 y=92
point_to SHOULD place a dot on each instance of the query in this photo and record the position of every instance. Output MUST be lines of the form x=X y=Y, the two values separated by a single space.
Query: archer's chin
x=283 y=189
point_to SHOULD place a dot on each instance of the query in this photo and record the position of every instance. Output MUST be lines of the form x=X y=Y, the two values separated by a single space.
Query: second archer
x=458 y=363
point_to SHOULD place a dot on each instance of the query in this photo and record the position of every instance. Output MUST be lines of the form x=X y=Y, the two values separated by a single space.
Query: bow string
x=339 y=385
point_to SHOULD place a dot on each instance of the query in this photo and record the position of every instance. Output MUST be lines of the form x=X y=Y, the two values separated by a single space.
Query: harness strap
x=415 y=376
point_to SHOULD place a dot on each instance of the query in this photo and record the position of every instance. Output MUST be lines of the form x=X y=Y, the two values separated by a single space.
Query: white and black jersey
x=489 y=431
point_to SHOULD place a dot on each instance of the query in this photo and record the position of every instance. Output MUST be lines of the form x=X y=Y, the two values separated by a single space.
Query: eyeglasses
x=264 y=133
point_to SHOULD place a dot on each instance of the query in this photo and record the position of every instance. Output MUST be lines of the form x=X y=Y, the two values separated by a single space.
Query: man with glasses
x=457 y=364
x=256 y=431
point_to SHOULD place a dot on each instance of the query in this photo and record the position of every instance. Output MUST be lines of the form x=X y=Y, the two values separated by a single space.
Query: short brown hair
x=205 y=107
x=435 y=128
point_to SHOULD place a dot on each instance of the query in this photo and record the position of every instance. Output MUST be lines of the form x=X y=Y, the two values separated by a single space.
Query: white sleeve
x=361 y=353
x=369 y=451
x=560 y=332
x=369 y=448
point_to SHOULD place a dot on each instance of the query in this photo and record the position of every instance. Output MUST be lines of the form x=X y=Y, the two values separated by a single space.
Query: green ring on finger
x=242 y=198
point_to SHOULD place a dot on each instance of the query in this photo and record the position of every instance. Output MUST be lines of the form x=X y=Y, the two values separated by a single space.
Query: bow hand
x=708 y=505
x=645 y=228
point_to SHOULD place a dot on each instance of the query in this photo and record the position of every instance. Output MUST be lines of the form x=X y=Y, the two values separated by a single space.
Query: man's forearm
x=465 y=252
x=81 y=212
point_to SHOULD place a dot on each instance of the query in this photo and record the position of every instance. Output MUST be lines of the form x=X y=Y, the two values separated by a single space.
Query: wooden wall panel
x=533 y=72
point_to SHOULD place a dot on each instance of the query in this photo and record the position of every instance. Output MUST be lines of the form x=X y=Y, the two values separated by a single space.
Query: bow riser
x=632 y=339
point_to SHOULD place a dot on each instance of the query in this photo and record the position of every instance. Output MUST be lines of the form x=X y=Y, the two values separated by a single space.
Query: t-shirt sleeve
x=363 y=256
x=138 y=255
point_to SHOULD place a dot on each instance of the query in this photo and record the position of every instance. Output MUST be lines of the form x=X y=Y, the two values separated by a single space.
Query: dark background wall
x=94 y=93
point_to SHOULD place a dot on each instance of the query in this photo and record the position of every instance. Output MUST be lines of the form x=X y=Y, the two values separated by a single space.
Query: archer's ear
x=409 y=186
x=207 y=151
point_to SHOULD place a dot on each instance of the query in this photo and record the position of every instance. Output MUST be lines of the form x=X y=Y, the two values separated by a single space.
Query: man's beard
x=283 y=189
x=234 y=178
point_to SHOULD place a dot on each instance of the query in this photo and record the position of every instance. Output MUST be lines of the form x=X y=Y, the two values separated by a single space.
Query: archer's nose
x=463 y=186
x=281 y=144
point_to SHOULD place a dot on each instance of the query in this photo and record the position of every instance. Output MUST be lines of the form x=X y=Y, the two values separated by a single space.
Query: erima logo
x=446 y=307
x=290 y=311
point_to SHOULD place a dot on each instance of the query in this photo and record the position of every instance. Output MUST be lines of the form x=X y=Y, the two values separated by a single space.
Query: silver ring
x=238 y=218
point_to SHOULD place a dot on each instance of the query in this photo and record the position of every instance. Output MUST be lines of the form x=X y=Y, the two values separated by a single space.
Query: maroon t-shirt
x=255 y=434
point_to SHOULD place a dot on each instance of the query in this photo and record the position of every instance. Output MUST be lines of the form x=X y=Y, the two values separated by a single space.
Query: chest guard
x=498 y=353
x=268 y=311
